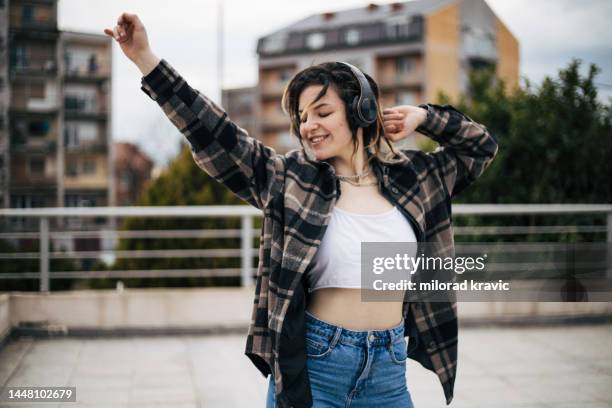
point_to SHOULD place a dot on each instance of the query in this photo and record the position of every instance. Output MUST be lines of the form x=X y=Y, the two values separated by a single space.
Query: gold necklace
x=359 y=184
x=359 y=177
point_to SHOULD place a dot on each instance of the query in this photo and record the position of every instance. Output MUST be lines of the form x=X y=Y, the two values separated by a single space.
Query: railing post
x=44 y=254
x=246 y=253
x=609 y=247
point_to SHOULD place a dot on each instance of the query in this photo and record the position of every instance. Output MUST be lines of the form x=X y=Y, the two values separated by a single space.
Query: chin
x=321 y=154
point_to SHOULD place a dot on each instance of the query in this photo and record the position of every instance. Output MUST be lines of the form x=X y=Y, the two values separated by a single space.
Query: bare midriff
x=346 y=307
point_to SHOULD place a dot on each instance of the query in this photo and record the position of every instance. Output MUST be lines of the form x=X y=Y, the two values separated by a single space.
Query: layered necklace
x=357 y=179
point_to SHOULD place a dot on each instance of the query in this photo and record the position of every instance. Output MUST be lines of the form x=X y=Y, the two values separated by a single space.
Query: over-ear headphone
x=364 y=109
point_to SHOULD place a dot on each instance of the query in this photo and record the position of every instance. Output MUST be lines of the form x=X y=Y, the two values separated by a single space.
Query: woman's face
x=323 y=126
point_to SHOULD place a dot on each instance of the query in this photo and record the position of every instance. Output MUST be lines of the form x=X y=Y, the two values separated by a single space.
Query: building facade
x=133 y=170
x=239 y=103
x=414 y=50
x=55 y=139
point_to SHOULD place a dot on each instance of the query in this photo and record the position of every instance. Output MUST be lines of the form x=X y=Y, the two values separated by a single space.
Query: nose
x=310 y=125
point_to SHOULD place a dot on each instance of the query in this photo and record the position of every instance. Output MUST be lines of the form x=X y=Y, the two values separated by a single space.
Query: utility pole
x=220 y=47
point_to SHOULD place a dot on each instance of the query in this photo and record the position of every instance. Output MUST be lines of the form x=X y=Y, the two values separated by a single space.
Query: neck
x=348 y=164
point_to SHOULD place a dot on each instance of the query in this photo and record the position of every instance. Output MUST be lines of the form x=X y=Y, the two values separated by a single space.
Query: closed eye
x=323 y=115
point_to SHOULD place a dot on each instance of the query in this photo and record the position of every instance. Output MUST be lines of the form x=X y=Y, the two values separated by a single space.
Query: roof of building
x=364 y=15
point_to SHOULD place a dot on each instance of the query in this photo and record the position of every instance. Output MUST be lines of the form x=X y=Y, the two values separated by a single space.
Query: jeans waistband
x=372 y=337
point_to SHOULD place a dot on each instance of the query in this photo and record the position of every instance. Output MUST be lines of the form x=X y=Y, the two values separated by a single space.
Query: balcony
x=46 y=66
x=93 y=72
x=411 y=80
x=271 y=90
x=33 y=145
x=84 y=108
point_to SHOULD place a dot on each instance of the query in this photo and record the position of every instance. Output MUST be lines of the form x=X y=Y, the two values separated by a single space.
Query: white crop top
x=337 y=263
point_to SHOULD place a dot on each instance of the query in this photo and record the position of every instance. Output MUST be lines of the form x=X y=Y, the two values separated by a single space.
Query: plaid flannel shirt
x=297 y=193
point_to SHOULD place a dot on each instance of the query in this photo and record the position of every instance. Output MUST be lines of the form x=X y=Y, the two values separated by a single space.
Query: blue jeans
x=354 y=369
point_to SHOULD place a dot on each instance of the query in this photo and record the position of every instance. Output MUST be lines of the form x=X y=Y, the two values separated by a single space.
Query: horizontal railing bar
x=147 y=234
x=159 y=273
x=189 y=211
x=496 y=267
x=528 y=230
x=152 y=253
x=241 y=210
x=519 y=209
x=235 y=233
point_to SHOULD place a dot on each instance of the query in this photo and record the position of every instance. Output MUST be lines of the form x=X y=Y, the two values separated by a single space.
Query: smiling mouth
x=317 y=140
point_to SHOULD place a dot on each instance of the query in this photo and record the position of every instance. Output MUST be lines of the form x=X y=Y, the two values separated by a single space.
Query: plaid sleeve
x=466 y=147
x=253 y=171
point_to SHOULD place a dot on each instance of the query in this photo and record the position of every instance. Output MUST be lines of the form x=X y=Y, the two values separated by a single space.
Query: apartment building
x=414 y=50
x=34 y=172
x=4 y=104
x=87 y=142
x=55 y=87
x=239 y=103
x=133 y=169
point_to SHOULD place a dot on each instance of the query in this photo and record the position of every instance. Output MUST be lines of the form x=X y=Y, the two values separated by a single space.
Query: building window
x=352 y=36
x=315 y=41
x=405 y=98
x=38 y=128
x=21 y=57
x=72 y=168
x=89 y=167
x=81 y=98
x=403 y=65
x=27 y=13
x=36 y=166
x=79 y=200
x=78 y=134
x=27 y=201
x=275 y=43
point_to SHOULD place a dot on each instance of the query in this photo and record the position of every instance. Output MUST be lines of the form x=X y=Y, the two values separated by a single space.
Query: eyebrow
x=316 y=107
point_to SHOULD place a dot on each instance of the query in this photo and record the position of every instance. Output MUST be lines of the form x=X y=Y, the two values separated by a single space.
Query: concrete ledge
x=202 y=311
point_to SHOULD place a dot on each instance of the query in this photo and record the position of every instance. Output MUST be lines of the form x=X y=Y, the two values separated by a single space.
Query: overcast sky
x=550 y=34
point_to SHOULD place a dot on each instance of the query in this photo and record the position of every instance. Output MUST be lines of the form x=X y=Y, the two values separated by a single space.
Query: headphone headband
x=365 y=109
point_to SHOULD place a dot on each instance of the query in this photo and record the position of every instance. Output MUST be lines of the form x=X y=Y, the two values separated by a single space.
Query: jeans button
x=372 y=337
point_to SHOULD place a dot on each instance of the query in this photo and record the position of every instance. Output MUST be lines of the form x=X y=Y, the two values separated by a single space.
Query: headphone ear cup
x=354 y=114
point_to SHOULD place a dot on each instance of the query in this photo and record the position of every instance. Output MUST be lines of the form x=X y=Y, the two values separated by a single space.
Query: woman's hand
x=400 y=121
x=131 y=35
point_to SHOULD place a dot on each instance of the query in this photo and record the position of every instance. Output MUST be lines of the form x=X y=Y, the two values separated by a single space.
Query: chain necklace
x=358 y=178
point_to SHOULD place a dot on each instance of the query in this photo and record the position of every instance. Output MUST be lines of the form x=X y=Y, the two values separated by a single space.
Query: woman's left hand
x=400 y=121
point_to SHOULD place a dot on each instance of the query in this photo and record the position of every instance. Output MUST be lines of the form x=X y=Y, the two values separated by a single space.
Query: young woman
x=310 y=330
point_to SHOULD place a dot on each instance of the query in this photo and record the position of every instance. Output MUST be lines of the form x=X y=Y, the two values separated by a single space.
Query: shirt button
x=395 y=190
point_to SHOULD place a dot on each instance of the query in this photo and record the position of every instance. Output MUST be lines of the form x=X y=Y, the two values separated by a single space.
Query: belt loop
x=336 y=337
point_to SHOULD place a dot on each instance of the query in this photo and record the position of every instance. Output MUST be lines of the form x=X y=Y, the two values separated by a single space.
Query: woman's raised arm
x=466 y=147
x=253 y=171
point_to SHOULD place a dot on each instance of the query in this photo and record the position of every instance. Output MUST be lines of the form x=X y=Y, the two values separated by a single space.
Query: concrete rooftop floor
x=534 y=367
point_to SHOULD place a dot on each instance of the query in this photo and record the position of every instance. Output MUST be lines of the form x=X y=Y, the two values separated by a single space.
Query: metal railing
x=246 y=233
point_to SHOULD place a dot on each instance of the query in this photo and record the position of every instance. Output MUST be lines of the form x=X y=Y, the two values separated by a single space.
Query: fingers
x=392 y=115
x=128 y=18
x=125 y=24
x=118 y=32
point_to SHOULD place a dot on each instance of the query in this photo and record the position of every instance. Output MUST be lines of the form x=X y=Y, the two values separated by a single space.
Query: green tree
x=554 y=142
x=182 y=183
